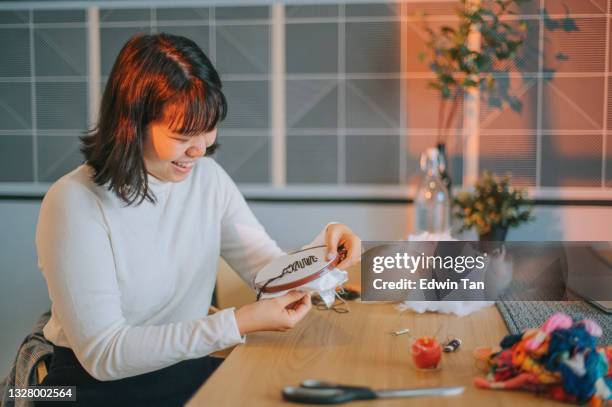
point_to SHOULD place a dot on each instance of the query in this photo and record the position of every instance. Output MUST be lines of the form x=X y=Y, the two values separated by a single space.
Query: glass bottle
x=432 y=201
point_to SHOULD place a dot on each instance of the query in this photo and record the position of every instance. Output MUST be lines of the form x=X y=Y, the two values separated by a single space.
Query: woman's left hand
x=337 y=235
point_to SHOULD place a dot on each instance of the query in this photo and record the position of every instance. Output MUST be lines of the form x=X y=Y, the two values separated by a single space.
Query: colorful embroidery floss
x=557 y=321
x=482 y=356
x=560 y=359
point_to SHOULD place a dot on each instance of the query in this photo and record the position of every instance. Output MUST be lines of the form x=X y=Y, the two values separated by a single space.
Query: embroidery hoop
x=296 y=269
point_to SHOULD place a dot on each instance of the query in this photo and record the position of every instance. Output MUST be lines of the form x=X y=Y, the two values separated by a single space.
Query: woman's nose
x=197 y=148
x=196 y=151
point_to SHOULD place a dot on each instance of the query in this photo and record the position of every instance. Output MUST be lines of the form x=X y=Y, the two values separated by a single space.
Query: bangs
x=196 y=109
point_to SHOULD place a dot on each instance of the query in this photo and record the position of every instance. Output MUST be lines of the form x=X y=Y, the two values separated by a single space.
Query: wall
x=23 y=294
x=346 y=89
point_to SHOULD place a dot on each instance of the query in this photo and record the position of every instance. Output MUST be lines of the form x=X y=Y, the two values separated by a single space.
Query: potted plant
x=459 y=67
x=492 y=208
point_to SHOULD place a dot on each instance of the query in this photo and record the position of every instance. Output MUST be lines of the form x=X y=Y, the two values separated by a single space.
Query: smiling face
x=170 y=156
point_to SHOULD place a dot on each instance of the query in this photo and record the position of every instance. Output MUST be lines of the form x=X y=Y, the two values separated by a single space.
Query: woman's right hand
x=275 y=314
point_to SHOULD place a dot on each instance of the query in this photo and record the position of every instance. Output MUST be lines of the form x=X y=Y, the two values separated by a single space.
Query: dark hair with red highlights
x=152 y=74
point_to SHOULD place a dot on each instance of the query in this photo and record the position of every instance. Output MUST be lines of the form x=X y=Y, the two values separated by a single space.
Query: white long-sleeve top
x=131 y=286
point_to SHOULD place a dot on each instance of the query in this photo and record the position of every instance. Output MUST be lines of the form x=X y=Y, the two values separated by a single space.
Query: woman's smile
x=170 y=156
x=183 y=166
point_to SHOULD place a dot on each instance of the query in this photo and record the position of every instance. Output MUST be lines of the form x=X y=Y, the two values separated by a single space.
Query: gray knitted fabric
x=521 y=315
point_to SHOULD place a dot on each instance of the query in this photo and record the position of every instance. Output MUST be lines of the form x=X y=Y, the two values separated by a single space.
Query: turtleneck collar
x=156 y=185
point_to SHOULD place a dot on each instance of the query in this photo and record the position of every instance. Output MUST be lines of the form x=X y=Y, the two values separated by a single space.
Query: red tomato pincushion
x=426 y=353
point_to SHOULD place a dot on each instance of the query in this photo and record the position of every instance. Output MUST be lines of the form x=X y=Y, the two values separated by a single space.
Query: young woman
x=129 y=242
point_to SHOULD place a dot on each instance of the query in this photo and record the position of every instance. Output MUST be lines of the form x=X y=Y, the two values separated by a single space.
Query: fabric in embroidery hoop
x=295 y=270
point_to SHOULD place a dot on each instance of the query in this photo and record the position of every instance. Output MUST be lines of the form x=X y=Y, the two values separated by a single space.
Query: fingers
x=332 y=240
x=338 y=234
x=292 y=312
x=300 y=308
x=295 y=305
x=353 y=255
x=275 y=314
x=290 y=297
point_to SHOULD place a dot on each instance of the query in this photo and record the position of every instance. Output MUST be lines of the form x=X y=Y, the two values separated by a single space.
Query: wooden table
x=357 y=348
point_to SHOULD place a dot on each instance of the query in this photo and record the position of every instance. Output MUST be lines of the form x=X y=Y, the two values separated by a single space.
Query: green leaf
x=434 y=85
x=470 y=83
x=445 y=92
x=446 y=78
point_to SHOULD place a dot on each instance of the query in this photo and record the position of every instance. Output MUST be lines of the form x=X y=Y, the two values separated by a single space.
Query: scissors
x=321 y=392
